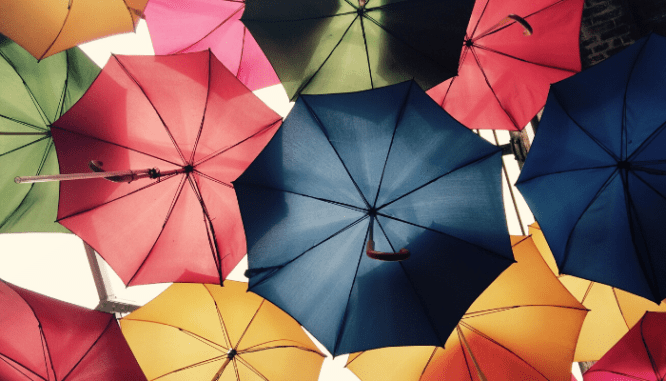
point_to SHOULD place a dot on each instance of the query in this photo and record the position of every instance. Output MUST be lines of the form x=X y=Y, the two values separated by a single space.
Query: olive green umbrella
x=32 y=96
x=339 y=46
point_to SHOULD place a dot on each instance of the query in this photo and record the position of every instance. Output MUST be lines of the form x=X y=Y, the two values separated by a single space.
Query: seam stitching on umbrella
x=321 y=128
x=203 y=115
x=166 y=128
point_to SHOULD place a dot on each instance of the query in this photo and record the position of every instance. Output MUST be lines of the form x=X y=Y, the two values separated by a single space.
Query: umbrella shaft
x=124 y=176
x=24 y=133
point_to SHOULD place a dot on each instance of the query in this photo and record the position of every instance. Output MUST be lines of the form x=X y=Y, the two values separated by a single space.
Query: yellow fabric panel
x=285 y=364
x=578 y=287
x=139 y=5
x=92 y=19
x=390 y=364
x=245 y=373
x=162 y=349
x=544 y=336
x=236 y=305
x=270 y=324
x=188 y=306
x=33 y=24
x=633 y=307
x=542 y=245
x=203 y=372
x=527 y=282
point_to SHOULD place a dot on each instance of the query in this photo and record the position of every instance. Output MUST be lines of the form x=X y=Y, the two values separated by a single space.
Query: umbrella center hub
x=231 y=354
x=469 y=43
x=372 y=212
x=360 y=11
x=623 y=164
x=188 y=168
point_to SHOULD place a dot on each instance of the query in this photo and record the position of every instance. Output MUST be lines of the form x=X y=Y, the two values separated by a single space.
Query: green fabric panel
x=346 y=69
x=281 y=10
x=81 y=73
x=298 y=48
x=16 y=102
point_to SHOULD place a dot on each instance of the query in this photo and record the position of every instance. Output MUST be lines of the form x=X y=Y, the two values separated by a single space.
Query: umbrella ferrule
x=232 y=353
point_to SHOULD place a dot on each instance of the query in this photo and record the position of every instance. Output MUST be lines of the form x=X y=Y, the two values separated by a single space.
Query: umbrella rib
x=623 y=137
x=191 y=366
x=617 y=302
x=203 y=115
x=647 y=141
x=219 y=315
x=524 y=60
x=321 y=127
x=249 y=366
x=601 y=145
x=223 y=150
x=474 y=161
x=64 y=22
x=247 y=327
x=302 y=19
x=64 y=378
x=448 y=235
x=24 y=124
x=647 y=350
x=462 y=349
x=114 y=144
x=401 y=112
x=162 y=179
x=483 y=12
x=367 y=54
x=655 y=190
x=203 y=340
x=25 y=145
x=242 y=6
x=12 y=364
x=483 y=335
x=618 y=373
x=587 y=292
x=513 y=22
x=213 y=179
x=337 y=203
x=385 y=235
x=425 y=367
x=166 y=128
x=306 y=83
x=490 y=311
x=297 y=346
x=42 y=113
x=129 y=12
x=446 y=93
x=61 y=101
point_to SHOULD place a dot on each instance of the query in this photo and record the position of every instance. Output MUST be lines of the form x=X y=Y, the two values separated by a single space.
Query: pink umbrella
x=179 y=26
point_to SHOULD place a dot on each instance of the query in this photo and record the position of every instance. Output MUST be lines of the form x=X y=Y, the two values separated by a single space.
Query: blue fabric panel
x=558 y=200
x=300 y=159
x=594 y=98
x=384 y=309
x=466 y=203
x=428 y=143
x=561 y=146
x=646 y=95
x=653 y=149
x=360 y=126
x=314 y=289
x=600 y=247
x=281 y=226
x=447 y=273
x=648 y=198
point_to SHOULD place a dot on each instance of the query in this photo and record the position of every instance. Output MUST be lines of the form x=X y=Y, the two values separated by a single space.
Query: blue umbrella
x=594 y=177
x=388 y=166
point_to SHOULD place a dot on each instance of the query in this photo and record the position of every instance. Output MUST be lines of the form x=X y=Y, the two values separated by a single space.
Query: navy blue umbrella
x=387 y=165
x=595 y=176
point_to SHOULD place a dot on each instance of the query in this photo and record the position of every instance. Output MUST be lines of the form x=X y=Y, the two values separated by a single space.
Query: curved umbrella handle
x=528 y=28
x=383 y=256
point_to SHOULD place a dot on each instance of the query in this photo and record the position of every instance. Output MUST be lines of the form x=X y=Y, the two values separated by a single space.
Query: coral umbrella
x=45 y=339
x=32 y=96
x=639 y=356
x=48 y=27
x=594 y=177
x=523 y=327
x=612 y=311
x=338 y=46
x=508 y=63
x=208 y=332
x=374 y=218
x=183 y=127
x=180 y=26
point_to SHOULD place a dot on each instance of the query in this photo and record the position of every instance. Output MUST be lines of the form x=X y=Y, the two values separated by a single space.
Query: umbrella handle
x=383 y=256
x=511 y=17
x=115 y=176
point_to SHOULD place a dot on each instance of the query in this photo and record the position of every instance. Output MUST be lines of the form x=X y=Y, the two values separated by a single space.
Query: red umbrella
x=186 y=127
x=639 y=356
x=513 y=51
x=179 y=26
x=42 y=338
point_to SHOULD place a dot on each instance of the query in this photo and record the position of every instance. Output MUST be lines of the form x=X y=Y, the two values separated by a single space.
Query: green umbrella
x=32 y=96
x=338 y=46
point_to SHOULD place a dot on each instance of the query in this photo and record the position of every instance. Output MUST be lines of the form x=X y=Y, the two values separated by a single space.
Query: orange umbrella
x=612 y=311
x=523 y=327
x=46 y=27
x=212 y=333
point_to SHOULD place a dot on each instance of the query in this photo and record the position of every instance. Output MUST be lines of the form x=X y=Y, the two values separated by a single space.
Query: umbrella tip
x=231 y=354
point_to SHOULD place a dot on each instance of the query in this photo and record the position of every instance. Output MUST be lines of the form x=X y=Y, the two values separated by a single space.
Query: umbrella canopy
x=48 y=27
x=523 y=327
x=179 y=26
x=334 y=46
x=638 y=356
x=196 y=128
x=504 y=75
x=208 y=332
x=378 y=172
x=612 y=311
x=45 y=339
x=32 y=96
x=594 y=177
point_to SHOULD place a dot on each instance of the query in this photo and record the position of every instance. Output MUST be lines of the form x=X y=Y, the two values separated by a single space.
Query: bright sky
x=56 y=264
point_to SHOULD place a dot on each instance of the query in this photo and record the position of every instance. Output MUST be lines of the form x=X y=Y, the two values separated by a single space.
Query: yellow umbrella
x=612 y=311
x=46 y=27
x=523 y=327
x=211 y=333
